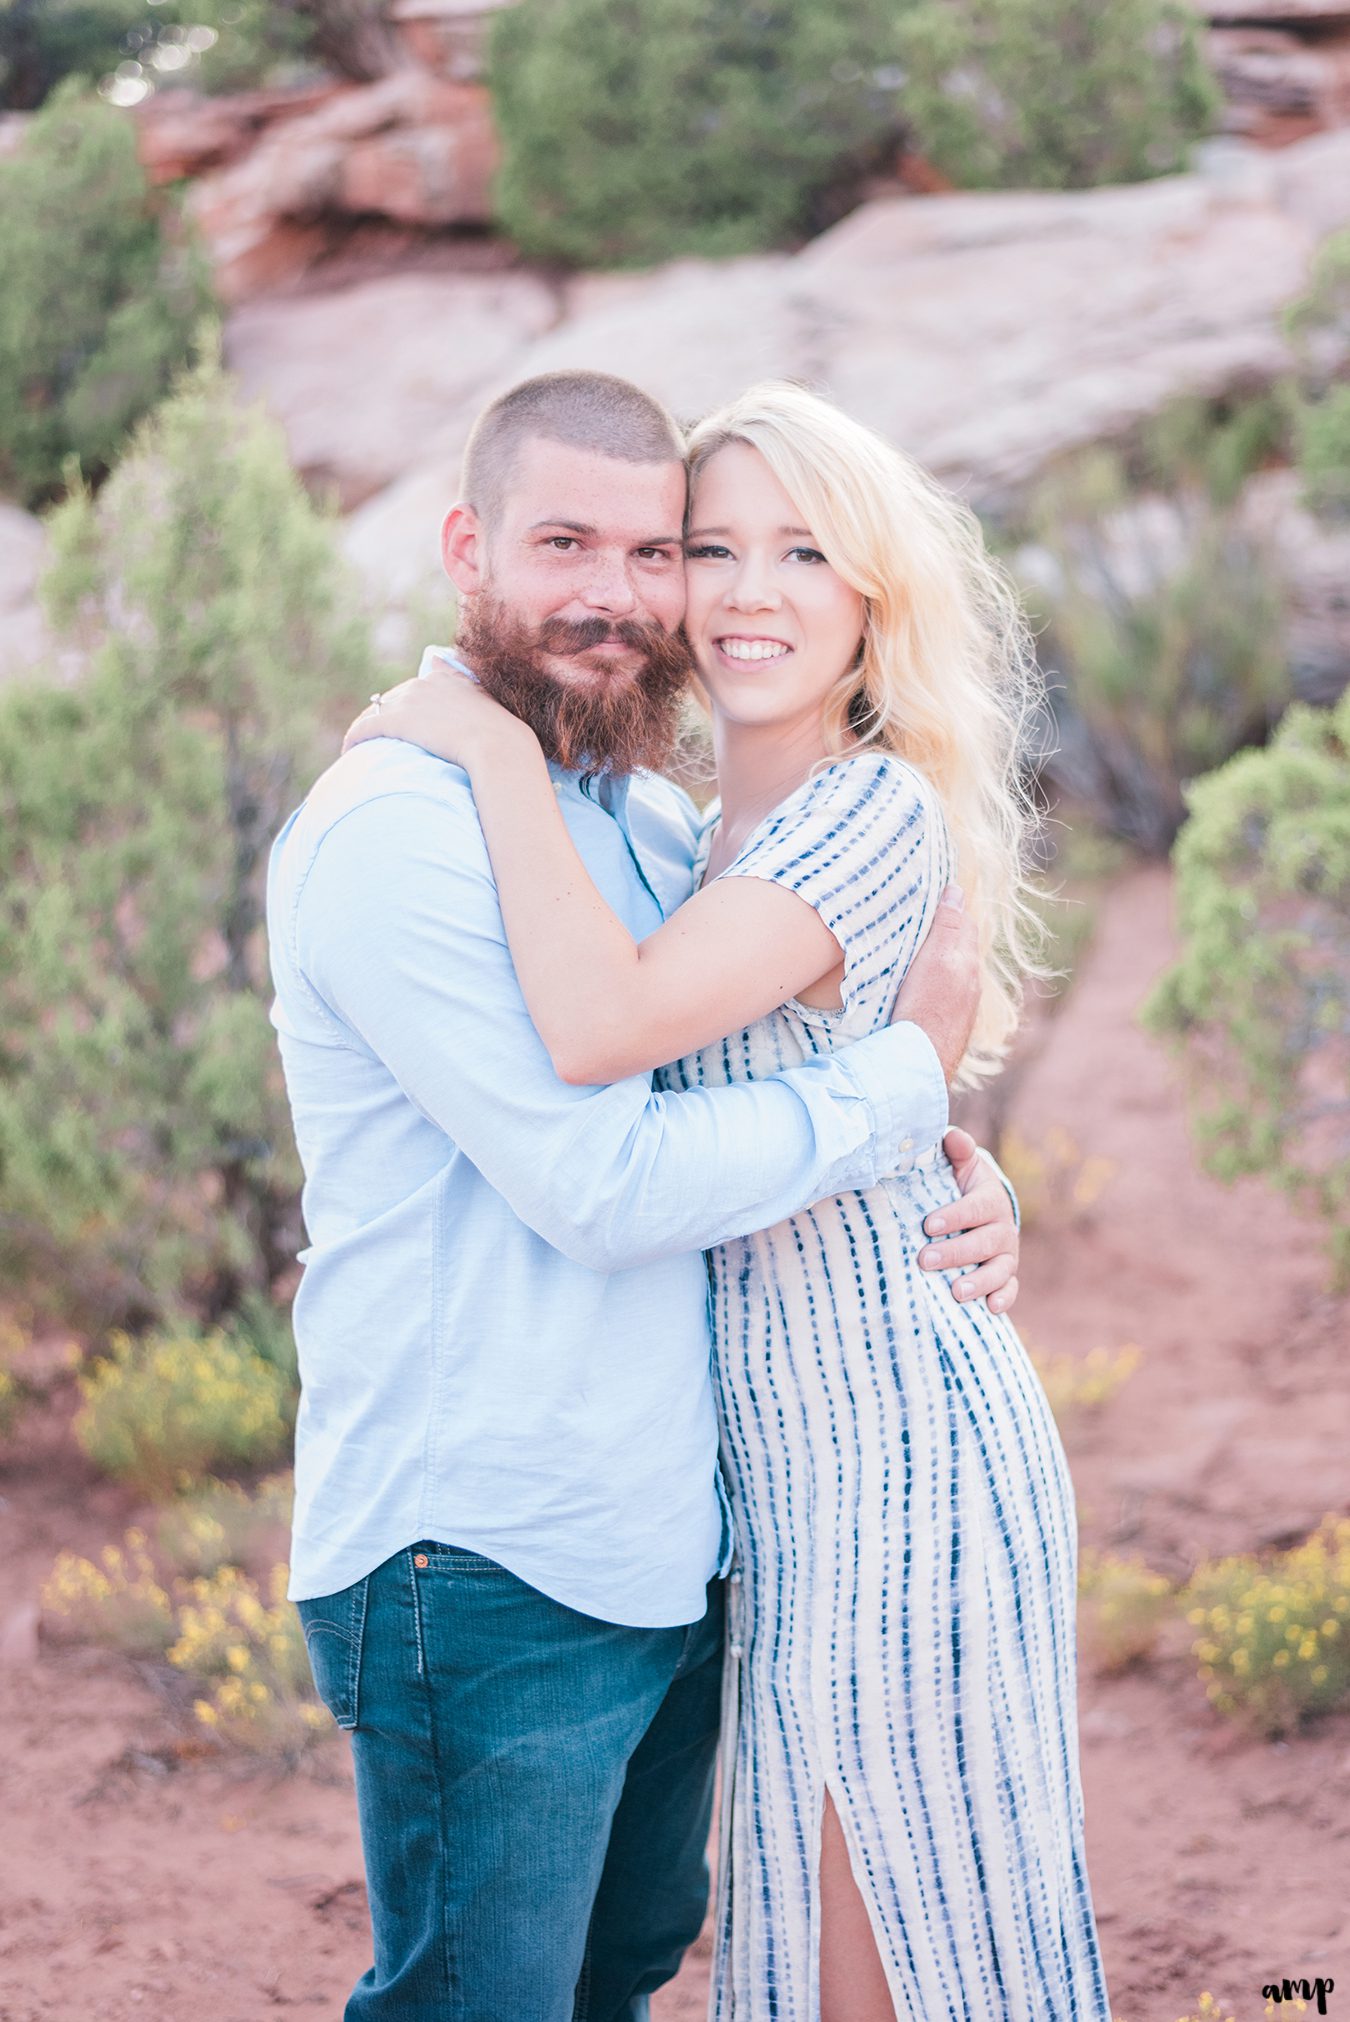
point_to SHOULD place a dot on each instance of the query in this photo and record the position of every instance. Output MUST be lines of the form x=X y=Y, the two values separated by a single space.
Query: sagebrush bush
x=1162 y=614
x=1273 y=1639
x=120 y=1601
x=1050 y=94
x=1319 y=326
x=1053 y=1177
x=146 y=1159
x=1075 y=1384
x=100 y=291
x=1261 y=993
x=251 y=1654
x=1322 y=450
x=221 y=1524
x=161 y=1411
x=1122 y=1606
x=632 y=131
x=245 y=1652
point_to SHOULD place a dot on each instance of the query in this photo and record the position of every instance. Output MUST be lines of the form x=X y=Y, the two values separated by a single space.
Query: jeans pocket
x=335 y=1627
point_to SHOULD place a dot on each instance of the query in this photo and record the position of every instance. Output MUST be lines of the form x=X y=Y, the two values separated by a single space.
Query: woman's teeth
x=753 y=649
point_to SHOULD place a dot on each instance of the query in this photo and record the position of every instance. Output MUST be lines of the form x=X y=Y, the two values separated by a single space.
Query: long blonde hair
x=947 y=675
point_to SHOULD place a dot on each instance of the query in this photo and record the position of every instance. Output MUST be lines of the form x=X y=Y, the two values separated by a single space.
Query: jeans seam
x=358 y=1640
x=453 y=1989
x=417 y=1616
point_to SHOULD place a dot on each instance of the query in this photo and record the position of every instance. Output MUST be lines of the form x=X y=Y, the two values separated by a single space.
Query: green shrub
x=1319 y=326
x=1075 y=1385
x=1052 y=94
x=99 y=295
x=221 y=1524
x=162 y=1411
x=1322 y=448
x=146 y=1163
x=119 y=1602
x=1122 y=1606
x=1262 y=989
x=251 y=1656
x=632 y=130
x=1274 y=1640
x=1161 y=614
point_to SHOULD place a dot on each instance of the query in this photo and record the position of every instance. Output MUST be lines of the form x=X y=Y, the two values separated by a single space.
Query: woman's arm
x=605 y=1005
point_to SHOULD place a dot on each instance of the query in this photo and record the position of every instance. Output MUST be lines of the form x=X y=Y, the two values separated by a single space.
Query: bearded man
x=509 y=1531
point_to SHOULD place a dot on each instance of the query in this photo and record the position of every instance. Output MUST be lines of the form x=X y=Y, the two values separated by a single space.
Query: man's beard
x=623 y=721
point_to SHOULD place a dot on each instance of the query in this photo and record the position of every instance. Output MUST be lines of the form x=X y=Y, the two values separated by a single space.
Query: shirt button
x=906 y=1144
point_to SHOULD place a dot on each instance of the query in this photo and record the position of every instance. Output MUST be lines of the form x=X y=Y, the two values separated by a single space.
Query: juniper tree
x=99 y=294
x=145 y=1157
x=1262 y=990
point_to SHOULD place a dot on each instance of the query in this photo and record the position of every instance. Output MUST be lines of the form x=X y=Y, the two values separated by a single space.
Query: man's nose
x=608 y=587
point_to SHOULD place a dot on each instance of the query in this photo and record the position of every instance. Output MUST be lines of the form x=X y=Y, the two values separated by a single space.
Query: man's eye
x=655 y=554
x=562 y=541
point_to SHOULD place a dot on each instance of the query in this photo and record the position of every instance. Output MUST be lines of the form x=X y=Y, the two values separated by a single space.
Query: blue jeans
x=534 y=1789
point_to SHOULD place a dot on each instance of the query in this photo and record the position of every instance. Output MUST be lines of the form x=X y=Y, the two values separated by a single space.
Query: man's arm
x=399 y=932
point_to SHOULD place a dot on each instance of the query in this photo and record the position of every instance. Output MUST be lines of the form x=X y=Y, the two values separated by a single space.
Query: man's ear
x=462 y=548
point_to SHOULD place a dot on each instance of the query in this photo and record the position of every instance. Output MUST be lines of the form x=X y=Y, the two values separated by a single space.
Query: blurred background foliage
x=146 y=1167
x=100 y=291
x=719 y=127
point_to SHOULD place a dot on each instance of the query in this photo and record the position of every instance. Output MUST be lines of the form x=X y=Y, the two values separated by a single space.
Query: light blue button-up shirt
x=502 y=1323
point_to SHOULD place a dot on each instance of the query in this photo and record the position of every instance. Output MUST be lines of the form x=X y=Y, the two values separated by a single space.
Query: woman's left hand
x=445 y=711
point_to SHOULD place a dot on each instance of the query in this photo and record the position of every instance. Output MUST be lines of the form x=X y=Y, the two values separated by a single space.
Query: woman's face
x=772 y=626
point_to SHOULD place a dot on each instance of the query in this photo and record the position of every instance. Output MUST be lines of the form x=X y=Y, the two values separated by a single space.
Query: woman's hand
x=446 y=712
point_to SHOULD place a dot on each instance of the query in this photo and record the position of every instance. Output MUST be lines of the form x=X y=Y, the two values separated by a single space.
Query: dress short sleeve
x=865 y=843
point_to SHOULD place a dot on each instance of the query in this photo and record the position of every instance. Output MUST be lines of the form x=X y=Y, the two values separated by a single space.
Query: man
x=509 y=1530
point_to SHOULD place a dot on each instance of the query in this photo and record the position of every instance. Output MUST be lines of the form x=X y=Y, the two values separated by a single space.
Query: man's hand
x=978 y=1229
x=941 y=990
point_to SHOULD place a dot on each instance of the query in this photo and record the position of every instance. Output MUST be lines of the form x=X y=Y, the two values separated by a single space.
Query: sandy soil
x=137 y=1881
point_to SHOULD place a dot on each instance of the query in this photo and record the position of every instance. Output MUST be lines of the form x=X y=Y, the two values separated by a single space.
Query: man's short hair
x=585 y=410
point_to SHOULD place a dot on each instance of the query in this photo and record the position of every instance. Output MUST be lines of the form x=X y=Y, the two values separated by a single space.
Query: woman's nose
x=753 y=590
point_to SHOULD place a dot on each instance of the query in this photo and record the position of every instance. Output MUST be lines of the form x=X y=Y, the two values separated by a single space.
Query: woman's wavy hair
x=946 y=676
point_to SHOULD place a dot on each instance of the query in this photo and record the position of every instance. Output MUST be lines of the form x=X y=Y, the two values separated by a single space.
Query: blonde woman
x=903 y=1821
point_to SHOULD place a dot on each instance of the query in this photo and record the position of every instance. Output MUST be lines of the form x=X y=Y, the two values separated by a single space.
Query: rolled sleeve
x=900 y=1078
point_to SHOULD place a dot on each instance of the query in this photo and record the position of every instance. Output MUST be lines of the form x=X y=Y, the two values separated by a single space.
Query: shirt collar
x=609 y=790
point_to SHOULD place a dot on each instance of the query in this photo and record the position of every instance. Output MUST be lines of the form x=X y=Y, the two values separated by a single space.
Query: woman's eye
x=808 y=554
x=706 y=551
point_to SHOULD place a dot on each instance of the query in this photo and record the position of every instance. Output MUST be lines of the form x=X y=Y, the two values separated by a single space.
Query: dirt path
x=130 y=1887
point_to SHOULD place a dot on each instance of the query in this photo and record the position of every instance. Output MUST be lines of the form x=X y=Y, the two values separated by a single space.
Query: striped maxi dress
x=904 y=1601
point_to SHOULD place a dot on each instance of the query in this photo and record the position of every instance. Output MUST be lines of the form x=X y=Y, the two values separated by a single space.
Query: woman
x=902 y=1827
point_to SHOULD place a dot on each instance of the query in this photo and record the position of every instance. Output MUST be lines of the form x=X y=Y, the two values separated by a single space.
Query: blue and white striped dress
x=906 y=1531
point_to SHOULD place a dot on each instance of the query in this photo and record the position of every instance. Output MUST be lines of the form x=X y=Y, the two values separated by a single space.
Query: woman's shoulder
x=867 y=786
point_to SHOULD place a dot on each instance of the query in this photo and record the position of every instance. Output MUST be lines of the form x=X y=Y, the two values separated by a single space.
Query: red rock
x=181 y=133
x=411 y=148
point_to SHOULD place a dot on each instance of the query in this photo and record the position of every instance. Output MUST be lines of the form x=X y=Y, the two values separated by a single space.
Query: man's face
x=584 y=537
x=573 y=601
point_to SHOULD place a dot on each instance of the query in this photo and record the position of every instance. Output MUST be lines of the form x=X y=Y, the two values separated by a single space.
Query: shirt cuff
x=900 y=1077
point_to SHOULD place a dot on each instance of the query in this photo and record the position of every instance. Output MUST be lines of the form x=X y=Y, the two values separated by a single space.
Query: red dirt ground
x=136 y=1884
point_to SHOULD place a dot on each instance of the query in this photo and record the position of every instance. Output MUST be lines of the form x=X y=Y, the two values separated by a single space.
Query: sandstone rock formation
x=1284 y=65
x=412 y=148
x=987 y=333
x=363 y=378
